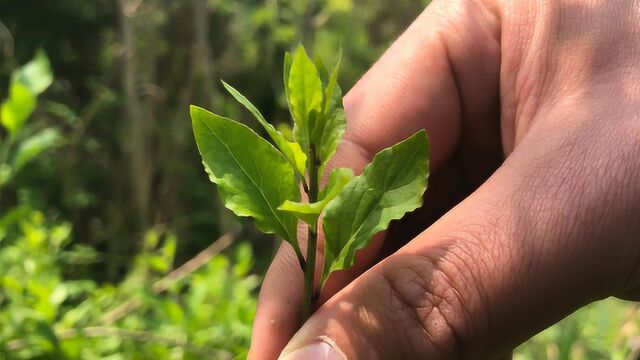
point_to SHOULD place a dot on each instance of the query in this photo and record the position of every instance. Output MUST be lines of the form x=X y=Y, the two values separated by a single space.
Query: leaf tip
x=420 y=137
x=300 y=49
x=194 y=110
x=197 y=113
x=226 y=85
x=231 y=90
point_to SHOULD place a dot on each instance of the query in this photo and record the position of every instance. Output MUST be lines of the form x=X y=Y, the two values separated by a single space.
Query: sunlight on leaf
x=251 y=183
x=305 y=95
x=389 y=187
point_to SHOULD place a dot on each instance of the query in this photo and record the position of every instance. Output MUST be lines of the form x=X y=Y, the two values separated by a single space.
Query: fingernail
x=317 y=351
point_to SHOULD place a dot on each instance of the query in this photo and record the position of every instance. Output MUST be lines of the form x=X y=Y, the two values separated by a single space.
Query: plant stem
x=312 y=241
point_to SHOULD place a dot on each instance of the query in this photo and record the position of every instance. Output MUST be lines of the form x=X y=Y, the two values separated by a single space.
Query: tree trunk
x=137 y=144
x=205 y=83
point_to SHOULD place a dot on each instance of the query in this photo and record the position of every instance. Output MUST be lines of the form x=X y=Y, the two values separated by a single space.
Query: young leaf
x=291 y=150
x=309 y=213
x=332 y=92
x=286 y=131
x=251 y=183
x=330 y=127
x=329 y=136
x=285 y=77
x=389 y=187
x=322 y=70
x=338 y=179
x=305 y=95
x=304 y=211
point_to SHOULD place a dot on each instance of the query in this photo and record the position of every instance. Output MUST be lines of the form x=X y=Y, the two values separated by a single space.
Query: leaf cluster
x=263 y=180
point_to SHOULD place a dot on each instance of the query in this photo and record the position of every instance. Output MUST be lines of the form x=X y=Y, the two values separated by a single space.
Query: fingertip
x=269 y=336
x=321 y=349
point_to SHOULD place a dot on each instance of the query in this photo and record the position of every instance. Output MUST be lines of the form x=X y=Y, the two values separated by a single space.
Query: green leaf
x=304 y=211
x=36 y=75
x=26 y=84
x=288 y=59
x=16 y=109
x=390 y=186
x=253 y=177
x=305 y=96
x=330 y=127
x=291 y=150
x=338 y=179
x=328 y=137
x=34 y=146
x=322 y=70
x=286 y=130
x=332 y=92
x=309 y=212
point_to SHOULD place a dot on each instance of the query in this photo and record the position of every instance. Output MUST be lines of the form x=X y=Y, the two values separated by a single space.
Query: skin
x=533 y=111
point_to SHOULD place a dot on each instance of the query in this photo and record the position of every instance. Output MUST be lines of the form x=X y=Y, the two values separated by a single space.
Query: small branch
x=309 y=277
x=312 y=240
x=173 y=277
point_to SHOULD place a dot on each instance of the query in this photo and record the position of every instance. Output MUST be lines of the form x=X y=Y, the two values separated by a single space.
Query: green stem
x=312 y=241
x=300 y=257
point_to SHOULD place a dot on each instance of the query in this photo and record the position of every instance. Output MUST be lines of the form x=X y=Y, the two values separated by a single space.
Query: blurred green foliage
x=50 y=308
x=605 y=330
x=46 y=315
x=96 y=149
x=22 y=143
x=125 y=73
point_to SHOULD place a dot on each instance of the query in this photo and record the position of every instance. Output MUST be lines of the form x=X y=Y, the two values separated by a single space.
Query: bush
x=151 y=313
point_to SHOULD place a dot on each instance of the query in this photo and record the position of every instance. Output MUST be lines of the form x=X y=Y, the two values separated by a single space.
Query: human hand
x=550 y=87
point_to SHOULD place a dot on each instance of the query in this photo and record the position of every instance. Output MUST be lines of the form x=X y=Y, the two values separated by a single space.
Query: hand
x=533 y=111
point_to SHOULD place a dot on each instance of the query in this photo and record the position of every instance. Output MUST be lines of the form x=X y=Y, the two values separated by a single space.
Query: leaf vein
x=264 y=197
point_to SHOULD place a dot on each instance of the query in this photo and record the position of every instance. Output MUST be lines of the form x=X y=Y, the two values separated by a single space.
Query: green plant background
x=112 y=239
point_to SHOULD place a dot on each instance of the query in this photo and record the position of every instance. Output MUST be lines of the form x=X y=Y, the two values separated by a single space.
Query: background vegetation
x=112 y=241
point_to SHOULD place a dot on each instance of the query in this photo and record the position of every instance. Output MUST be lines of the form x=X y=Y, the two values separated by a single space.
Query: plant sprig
x=262 y=180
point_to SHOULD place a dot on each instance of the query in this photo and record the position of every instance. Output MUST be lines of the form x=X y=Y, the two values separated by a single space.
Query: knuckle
x=427 y=299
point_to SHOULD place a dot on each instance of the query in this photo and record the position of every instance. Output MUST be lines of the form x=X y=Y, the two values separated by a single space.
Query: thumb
x=496 y=269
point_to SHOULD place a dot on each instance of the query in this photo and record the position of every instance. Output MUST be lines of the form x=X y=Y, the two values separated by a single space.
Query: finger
x=493 y=271
x=538 y=240
x=441 y=74
x=280 y=296
x=277 y=316
x=413 y=86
